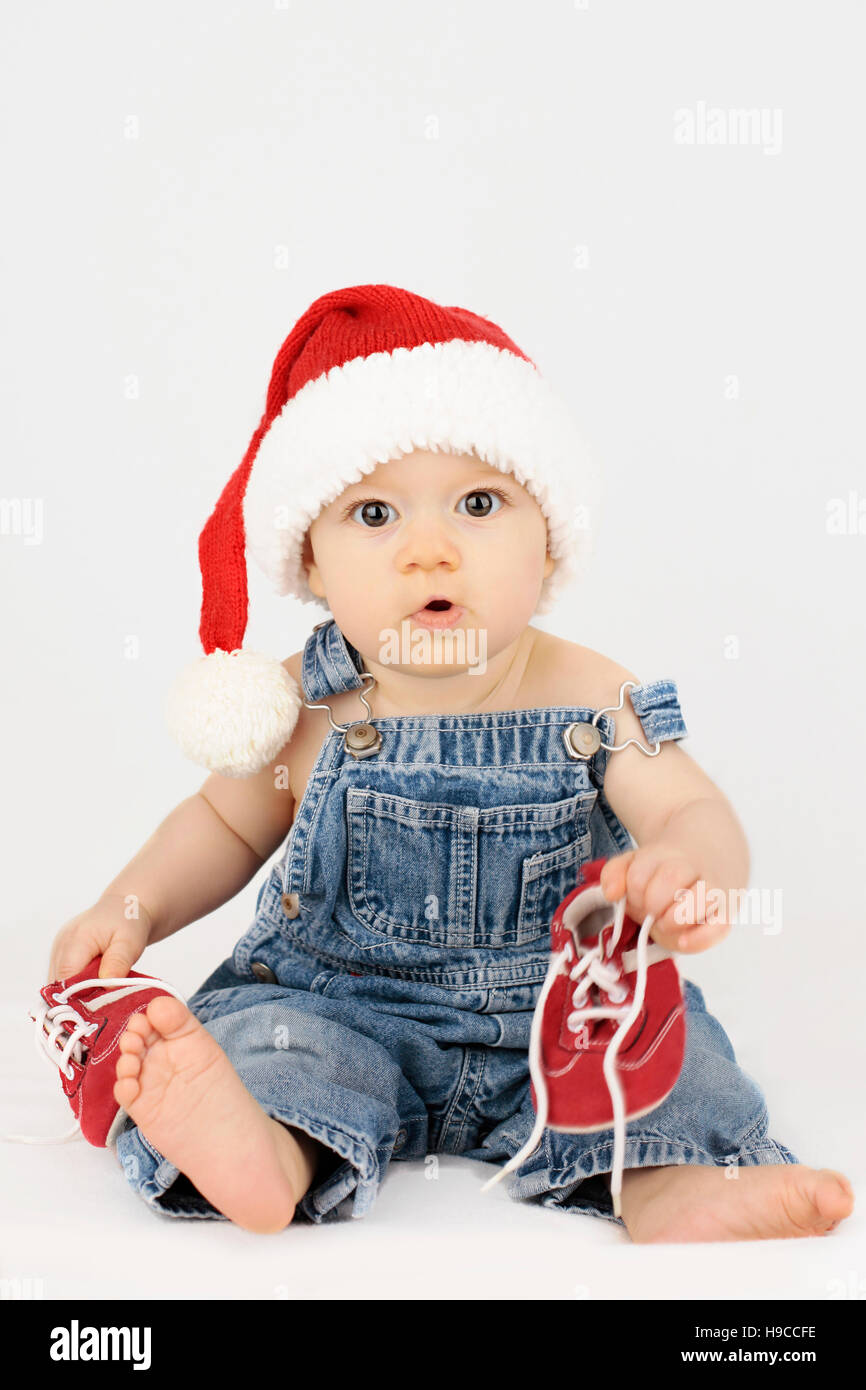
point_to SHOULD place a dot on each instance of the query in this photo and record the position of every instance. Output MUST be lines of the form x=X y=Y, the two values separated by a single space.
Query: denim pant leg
x=715 y=1115
x=308 y=1068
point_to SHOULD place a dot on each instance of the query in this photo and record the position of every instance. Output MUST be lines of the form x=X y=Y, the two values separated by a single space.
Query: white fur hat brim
x=456 y=396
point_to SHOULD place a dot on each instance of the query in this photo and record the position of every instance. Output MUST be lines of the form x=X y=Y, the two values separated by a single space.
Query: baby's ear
x=308 y=563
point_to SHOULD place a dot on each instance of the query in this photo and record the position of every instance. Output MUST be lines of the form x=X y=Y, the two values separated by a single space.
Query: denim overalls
x=382 y=998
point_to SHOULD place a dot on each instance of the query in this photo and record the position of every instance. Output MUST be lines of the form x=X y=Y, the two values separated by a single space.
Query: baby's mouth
x=439 y=612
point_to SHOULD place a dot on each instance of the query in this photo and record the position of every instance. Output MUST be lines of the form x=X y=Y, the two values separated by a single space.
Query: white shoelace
x=63 y=1019
x=591 y=968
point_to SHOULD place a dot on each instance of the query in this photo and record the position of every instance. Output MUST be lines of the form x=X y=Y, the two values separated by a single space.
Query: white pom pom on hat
x=368 y=373
x=233 y=711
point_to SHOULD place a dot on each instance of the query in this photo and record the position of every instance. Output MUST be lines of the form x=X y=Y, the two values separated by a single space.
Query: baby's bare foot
x=177 y=1084
x=692 y=1202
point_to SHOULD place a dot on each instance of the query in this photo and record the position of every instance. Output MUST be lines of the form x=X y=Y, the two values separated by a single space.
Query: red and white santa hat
x=367 y=374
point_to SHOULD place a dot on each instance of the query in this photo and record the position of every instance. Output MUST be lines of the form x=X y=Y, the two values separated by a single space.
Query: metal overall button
x=362 y=740
x=582 y=740
x=400 y=1140
x=291 y=904
x=263 y=973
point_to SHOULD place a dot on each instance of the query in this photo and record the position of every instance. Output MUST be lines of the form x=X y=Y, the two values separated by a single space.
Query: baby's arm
x=687 y=835
x=207 y=849
x=204 y=852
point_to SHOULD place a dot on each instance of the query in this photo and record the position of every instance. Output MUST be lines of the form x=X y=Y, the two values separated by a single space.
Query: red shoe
x=78 y=1025
x=608 y=1048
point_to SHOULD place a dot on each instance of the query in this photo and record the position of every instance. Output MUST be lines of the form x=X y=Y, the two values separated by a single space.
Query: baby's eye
x=371 y=511
x=482 y=508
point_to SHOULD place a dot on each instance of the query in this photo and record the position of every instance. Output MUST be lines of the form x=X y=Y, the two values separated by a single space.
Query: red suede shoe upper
x=650 y=1057
x=90 y=1087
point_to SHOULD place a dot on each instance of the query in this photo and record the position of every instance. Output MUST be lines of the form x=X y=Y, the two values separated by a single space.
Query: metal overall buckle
x=361 y=738
x=583 y=740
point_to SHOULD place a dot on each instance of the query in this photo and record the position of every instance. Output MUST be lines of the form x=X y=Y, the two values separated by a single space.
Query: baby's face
x=430 y=523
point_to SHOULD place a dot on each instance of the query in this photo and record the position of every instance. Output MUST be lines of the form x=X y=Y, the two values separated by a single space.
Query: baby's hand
x=650 y=877
x=102 y=930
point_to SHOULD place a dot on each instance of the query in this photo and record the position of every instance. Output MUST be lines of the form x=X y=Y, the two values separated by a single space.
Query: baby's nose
x=427 y=543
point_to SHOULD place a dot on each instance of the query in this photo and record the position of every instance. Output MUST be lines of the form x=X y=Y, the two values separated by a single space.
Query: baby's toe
x=125 y=1091
x=138 y=1025
x=169 y=1016
x=127 y=1065
x=132 y=1042
x=834 y=1195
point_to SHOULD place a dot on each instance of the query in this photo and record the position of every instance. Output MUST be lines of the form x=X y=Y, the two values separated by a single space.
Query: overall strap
x=330 y=664
x=657 y=706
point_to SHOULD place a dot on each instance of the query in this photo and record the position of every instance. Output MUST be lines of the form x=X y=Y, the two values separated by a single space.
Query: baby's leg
x=179 y=1087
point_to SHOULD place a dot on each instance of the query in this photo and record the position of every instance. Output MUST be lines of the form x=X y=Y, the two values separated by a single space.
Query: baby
x=414 y=475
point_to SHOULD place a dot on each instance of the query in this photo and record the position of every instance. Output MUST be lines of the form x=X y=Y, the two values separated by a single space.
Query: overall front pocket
x=528 y=861
x=409 y=871
x=462 y=876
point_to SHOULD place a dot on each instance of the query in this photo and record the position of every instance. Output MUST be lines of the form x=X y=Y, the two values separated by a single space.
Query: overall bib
x=382 y=998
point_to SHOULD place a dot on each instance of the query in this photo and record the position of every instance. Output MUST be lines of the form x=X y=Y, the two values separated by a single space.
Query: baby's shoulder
x=293 y=665
x=572 y=674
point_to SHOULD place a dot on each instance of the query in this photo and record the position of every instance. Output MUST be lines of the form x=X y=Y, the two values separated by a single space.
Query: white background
x=182 y=182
